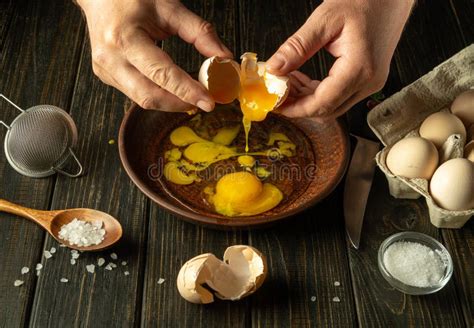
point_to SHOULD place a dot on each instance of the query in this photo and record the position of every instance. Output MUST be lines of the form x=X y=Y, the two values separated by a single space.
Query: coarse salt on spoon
x=52 y=221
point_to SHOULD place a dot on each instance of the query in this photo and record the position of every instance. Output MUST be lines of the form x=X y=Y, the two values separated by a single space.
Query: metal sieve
x=39 y=141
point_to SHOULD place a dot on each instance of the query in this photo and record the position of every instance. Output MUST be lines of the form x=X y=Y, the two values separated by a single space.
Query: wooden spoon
x=52 y=221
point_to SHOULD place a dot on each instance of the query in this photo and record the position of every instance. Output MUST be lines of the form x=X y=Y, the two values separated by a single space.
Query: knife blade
x=357 y=187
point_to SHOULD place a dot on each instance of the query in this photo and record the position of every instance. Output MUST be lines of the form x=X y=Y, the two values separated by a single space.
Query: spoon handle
x=28 y=213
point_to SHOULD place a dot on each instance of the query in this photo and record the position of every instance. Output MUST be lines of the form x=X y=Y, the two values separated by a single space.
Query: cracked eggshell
x=222 y=78
x=251 y=69
x=249 y=264
x=240 y=274
x=193 y=275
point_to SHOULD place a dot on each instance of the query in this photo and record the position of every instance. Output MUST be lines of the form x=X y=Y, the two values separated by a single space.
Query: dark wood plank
x=43 y=45
x=424 y=45
x=171 y=242
x=105 y=298
x=308 y=254
x=6 y=15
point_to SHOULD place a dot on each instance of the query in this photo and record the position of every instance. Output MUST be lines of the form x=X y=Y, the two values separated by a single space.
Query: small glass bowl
x=424 y=240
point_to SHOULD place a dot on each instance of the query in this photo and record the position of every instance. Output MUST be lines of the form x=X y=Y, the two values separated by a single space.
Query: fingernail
x=276 y=62
x=205 y=105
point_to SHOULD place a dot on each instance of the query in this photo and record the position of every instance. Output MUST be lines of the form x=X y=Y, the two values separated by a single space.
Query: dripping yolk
x=256 y=101
x=242 y=194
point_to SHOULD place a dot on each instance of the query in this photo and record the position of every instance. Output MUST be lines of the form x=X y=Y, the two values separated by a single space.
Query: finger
x=341 y=83
x=139 y=88
x=195 y=30
x=320 y=28
x=155 y=64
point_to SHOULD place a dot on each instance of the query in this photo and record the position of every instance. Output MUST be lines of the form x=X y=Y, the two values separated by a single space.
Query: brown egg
x=452 y=185
x=413 y=157
x=463 y=107
x=439 y=126
x=469 y=151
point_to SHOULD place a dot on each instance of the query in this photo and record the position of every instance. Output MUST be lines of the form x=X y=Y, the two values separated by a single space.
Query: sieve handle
x=14 y=105
x=71 y=175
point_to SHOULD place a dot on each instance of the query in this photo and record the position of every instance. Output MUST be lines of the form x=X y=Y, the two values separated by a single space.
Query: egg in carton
x=401 y=116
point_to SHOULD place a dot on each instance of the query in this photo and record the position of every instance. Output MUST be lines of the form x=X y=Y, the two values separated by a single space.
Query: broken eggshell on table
x=401 y=116
x=240 y=274
x=224 y=78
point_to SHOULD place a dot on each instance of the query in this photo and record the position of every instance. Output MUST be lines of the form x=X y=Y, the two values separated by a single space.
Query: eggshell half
x=463 y=107
x=222 y=78
x=439 y=126
x=413 y=157
x=241 y=273
x=452 y=185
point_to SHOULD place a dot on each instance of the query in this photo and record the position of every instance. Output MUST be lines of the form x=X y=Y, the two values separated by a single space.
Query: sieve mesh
x=39 y=139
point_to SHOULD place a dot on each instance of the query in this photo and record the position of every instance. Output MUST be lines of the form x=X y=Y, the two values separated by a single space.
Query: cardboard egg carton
x=401 y=115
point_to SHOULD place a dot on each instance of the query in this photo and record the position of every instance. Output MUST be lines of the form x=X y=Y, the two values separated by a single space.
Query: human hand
x=124 y=54
x=361 y=34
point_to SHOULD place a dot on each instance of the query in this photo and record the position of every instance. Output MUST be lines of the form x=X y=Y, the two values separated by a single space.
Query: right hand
x=124 y=54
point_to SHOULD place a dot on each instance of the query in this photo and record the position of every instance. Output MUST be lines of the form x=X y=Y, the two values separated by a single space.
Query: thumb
x=316 y=32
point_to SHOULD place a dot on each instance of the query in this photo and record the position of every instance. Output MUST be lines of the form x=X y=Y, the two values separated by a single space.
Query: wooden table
x=46 y=58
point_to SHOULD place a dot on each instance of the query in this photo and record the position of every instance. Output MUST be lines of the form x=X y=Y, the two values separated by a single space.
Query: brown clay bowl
x=323 y=153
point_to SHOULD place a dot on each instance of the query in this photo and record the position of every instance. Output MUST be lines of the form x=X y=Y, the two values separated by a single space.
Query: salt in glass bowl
x=425 y=240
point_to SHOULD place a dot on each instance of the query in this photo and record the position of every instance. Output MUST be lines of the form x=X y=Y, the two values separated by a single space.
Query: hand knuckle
x=163 y=75
x=296 y=44
x=113 y=37
x=207 y=28
x=147 y=102
x=100 y=57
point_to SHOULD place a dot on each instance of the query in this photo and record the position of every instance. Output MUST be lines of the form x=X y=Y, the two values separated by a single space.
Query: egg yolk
x=242 y=194
x=255 y=103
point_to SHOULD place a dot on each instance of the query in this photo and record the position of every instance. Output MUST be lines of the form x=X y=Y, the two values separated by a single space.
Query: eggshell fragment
x=463 y=107
x=240 y=274
x=452 y=185
x=222 y=78
x=413 y=157
x=439 y=126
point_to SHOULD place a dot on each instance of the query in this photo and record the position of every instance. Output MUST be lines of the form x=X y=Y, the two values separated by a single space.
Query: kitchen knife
x=357 y=187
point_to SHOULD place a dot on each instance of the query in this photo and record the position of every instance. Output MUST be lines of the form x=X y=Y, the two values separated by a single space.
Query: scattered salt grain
x=313 y=298
x=62 y=245
x=161 y=280
x=73 y=261
x=124 y=263
x=39 y=266
x=112 y=265
x=108 y=267
x=126 y=273
x=336 y=299
x=64 y=280
x=337 y=283
x=113 y=256
x=75 y=256
x=414 y=264
x=52 y=250
x=25 y=270
x=47 y=254
x=100 y=261
x=18 y=283
x=83 y=233
x=90 y=268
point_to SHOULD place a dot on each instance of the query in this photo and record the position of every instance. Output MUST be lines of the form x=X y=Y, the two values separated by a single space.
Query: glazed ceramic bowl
x=144 y=134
